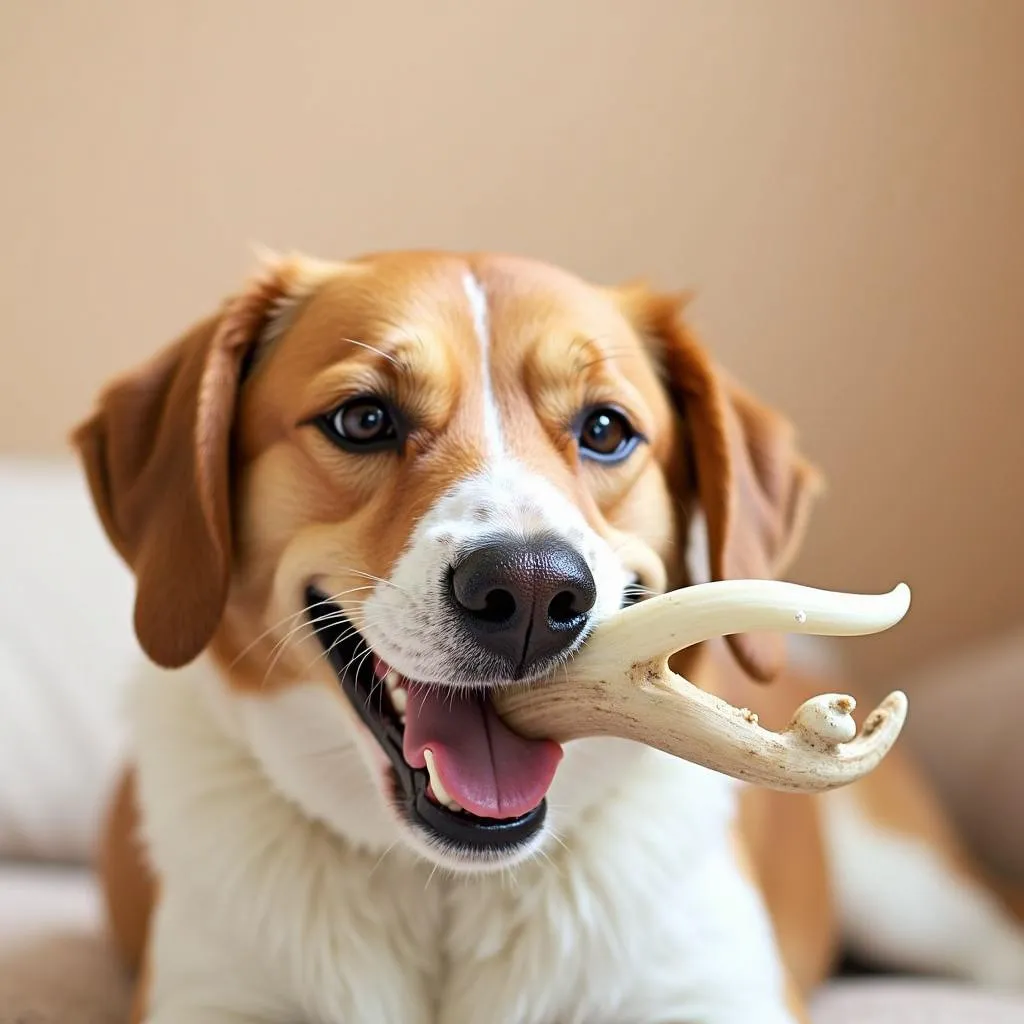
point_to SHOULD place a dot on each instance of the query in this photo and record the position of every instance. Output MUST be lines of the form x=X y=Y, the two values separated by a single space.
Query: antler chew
x=620 y=685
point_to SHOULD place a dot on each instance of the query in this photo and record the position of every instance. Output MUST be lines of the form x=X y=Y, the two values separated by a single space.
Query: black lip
x=350 y=657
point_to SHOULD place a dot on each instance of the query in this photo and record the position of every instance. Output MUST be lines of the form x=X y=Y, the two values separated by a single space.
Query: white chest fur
x=637 y=914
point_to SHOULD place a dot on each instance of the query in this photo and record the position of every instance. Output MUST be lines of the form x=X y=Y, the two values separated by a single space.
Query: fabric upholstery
x=66 y=650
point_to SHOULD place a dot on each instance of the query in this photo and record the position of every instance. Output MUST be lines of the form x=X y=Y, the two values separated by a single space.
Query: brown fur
x=128 y=887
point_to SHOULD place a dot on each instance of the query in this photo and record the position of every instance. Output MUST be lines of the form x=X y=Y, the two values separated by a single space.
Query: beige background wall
x=843 y=183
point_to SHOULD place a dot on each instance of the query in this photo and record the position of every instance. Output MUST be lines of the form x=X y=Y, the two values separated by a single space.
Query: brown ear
x=754 y=487
x=157 y=453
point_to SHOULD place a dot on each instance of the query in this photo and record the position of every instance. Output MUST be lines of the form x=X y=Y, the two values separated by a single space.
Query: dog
x=356 y=500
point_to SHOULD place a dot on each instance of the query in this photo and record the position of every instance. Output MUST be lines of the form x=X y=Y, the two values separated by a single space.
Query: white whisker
x=430 y=877
x=376 y=351
x=380 y=859
x=294 y=615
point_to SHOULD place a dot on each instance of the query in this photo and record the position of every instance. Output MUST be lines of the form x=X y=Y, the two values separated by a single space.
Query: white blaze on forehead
x=478 y=304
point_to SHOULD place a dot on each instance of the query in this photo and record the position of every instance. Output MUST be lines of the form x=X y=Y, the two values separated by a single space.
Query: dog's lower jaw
x=314 y=749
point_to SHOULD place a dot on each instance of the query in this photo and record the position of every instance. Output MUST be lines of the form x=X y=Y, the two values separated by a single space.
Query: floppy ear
x=754 y=487
x=157 y=454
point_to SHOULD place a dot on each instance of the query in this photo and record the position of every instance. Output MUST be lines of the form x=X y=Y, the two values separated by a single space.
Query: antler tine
x=819 y=750
x=654 y=630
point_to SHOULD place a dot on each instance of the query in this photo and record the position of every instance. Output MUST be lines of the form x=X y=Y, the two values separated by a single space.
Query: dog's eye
x=606 y=434
x=361 y=424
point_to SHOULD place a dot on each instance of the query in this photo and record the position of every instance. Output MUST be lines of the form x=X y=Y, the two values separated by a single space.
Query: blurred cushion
x=56 y=967
x=65 y=978
x=965 y=726
x=66 y=651
x=38 y=900
x=914 y=1002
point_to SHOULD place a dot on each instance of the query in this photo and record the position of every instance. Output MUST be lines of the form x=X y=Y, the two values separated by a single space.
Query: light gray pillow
x=66 y=652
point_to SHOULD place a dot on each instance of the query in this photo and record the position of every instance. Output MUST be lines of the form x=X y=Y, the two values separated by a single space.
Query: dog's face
x=378 y=490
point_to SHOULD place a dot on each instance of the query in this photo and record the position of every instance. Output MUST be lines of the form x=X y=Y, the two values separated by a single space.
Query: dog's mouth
x=461 y=774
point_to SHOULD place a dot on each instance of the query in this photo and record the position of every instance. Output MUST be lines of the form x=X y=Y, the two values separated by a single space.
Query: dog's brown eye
x=362 y=421
x=606 y=434
x=361 y=424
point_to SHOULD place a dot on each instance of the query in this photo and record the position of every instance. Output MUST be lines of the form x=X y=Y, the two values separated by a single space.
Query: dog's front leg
x=190 y=1013
x=223 y=1002
x=764 y=1013
x=738 y=1007
x=203 y=969
x=198 y=972
x=742 y=979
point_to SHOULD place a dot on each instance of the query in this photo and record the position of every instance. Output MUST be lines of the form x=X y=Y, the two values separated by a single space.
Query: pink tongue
x=491 y=771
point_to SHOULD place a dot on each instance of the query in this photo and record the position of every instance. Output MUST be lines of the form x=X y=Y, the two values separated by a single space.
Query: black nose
x=524 y=601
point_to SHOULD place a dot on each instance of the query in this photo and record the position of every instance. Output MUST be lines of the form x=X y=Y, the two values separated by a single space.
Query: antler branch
x=620 y=685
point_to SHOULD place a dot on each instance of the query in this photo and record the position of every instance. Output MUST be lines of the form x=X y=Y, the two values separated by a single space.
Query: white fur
x=270 y=909
x=698 y=549
x=481 y=324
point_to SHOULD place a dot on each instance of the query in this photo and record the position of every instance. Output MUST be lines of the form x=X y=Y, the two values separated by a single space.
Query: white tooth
x=398 y=698
x=393 y=682
x=440 y=793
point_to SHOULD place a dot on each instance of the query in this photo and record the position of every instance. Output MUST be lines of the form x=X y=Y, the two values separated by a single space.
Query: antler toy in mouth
x=620 y=685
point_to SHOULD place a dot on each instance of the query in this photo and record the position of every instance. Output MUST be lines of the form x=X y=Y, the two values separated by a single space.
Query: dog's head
x=422 y=476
